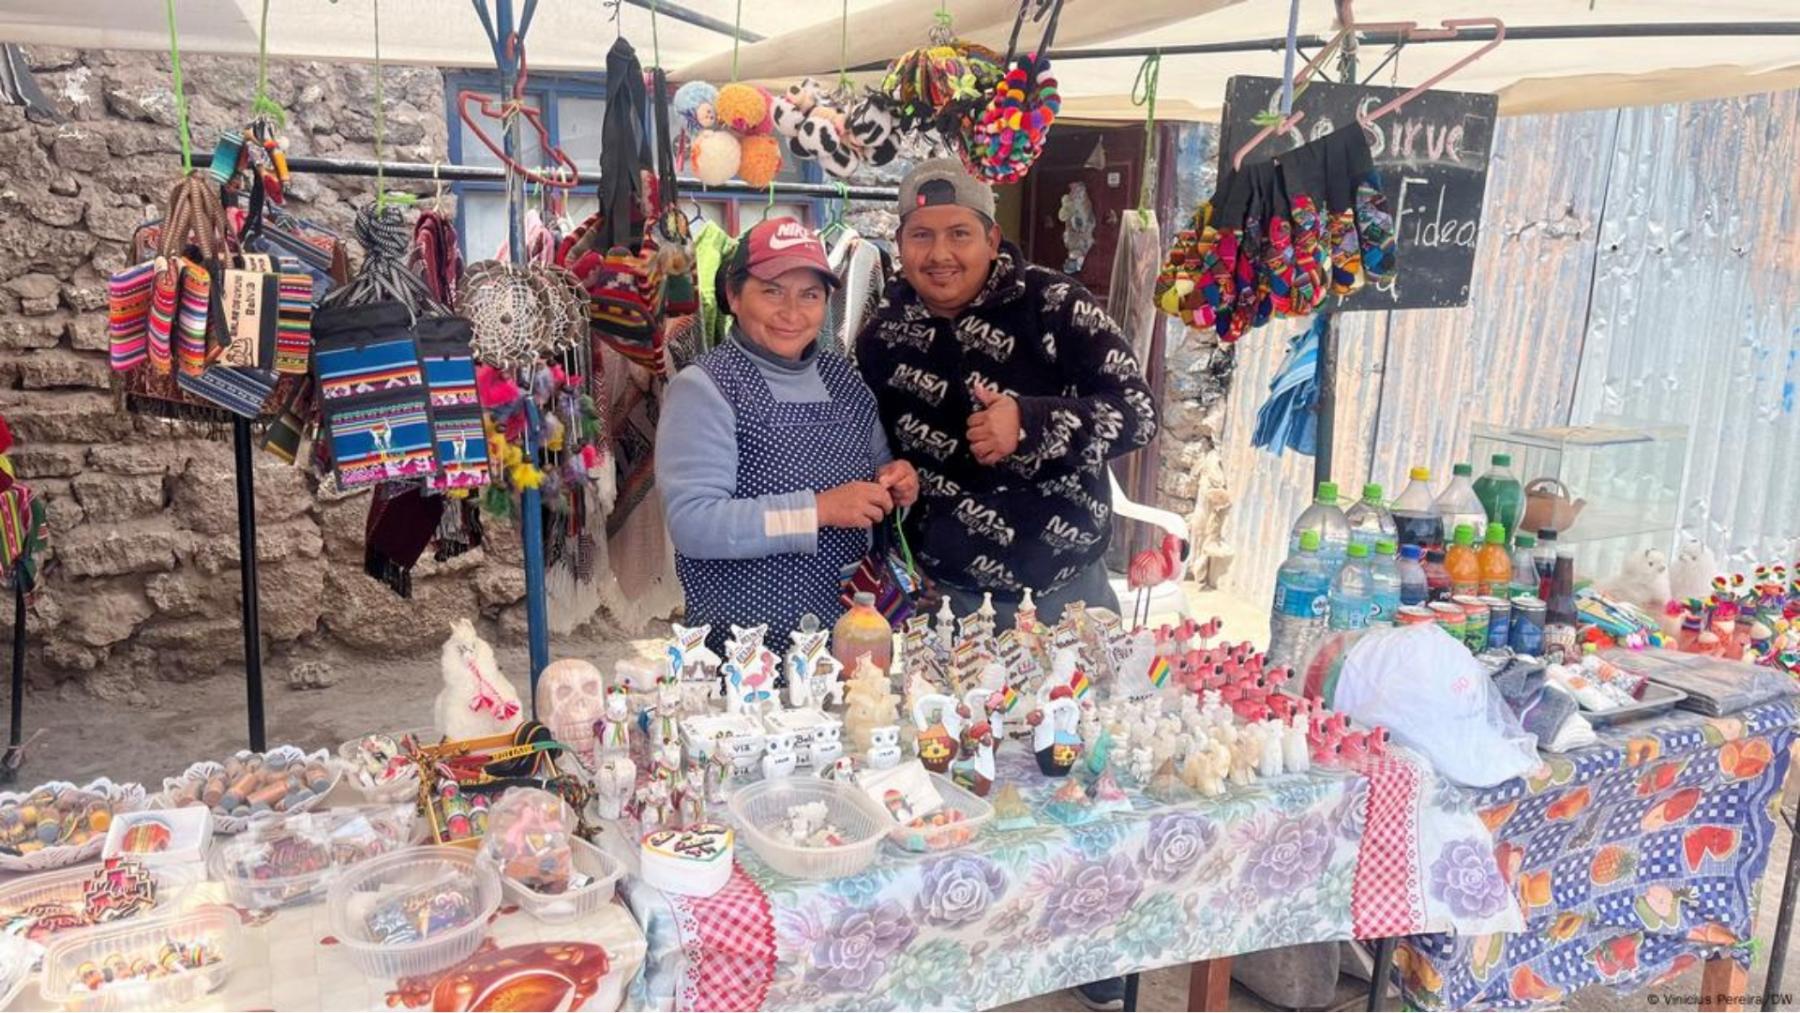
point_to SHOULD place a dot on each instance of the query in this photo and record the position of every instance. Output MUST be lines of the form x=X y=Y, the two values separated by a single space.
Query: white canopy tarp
x=807 y=38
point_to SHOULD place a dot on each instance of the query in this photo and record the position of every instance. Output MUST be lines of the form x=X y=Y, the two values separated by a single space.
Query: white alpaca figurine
x=614 y=781
x=1143 y=764
x=1643 y=580
x=1295 y=755
x=1218 y=765
x=802 y=658
x=1269 y=737
x=1691 y=574
x=477 y=699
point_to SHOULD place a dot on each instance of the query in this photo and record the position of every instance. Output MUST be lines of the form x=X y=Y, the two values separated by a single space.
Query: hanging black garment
x=624 y=151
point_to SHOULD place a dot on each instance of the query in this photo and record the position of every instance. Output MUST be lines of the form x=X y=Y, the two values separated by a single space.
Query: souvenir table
x=294 y=963
x=1633 y=860
x=1018 y=913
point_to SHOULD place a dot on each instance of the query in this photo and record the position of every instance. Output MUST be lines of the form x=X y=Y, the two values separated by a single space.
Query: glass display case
x=1623 y=480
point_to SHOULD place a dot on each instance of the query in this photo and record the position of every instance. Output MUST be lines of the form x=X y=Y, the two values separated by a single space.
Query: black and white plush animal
x=822 y=140
x=871 y=127
x=791 y=107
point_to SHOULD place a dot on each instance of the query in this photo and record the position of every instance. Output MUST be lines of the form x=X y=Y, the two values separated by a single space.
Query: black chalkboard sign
x=1432 y=154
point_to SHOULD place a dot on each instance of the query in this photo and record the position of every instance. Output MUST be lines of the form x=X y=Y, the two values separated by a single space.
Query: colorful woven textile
x=1633 y=859
x=456 y=422
x=372 y=394
x=293 y=338
x=128 y=295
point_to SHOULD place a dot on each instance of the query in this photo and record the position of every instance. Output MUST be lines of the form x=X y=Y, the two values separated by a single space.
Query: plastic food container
x=274 y=867
x=63 y=891
x=975 y=812
x=760 y=807
x=413 y=873
x=64 y=986
x=402 y=788
x=571 y=905
x=14 y=806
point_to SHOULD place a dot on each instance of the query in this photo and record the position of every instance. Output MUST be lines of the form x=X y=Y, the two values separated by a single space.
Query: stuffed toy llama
x=477 y=699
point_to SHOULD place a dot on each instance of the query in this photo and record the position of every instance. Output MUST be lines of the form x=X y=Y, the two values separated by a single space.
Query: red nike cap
x=776 y=246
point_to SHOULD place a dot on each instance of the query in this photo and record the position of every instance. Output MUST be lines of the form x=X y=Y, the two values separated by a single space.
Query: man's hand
x=994 y=431
x=901 y=482
x=853 y=505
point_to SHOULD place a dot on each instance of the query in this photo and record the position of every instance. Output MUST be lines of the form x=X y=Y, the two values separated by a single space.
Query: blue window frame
x=573 y=108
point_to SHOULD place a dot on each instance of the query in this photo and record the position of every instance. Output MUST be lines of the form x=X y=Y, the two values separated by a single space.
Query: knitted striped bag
x=372 y=396
x=128 y=295
x=456 y=422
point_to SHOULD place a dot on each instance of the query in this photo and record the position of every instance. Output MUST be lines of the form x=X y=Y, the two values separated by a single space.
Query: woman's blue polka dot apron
x=783 y=447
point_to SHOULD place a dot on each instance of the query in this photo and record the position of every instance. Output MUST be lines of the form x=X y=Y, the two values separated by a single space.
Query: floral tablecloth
x=1633 y=859
x=1025 y=912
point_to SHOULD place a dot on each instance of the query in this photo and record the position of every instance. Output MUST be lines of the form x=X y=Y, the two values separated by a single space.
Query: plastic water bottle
x=1351 y=591
x=1458 y=504
x=1328 y=520
x=1370 y=522
x=1298 y=617
x=1524 y=566
x=1415 y=513
x=1414 y=589
x=1384 y=593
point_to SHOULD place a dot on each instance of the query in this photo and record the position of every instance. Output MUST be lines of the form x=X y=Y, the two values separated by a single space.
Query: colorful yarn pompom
x=760 y=159
x=1008 y=136
x=715 y=155
x=743 y=108
x=697 y=104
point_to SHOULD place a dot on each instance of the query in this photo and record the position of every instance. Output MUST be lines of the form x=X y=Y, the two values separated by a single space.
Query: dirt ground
x=80 y=737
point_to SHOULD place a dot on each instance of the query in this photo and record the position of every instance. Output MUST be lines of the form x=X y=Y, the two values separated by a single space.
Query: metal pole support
x=246 y=510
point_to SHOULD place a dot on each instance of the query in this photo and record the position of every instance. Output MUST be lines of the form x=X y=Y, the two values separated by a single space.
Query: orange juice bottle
x=1494 y=560
x=1462 y=563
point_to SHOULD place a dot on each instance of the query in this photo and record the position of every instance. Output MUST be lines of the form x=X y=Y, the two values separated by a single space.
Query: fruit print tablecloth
x=1025 y=912
x=1633 y=860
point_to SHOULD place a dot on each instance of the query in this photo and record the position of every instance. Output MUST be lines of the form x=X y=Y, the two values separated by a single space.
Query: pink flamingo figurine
x=1150 y=568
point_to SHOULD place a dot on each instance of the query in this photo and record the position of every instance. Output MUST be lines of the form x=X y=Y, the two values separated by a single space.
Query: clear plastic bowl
x=571 y=905
x=358 y=889
x=765 y=804
x=62 y=887
x=401 y=789
x=236 y=861
x=140 y=938
x=975 y=810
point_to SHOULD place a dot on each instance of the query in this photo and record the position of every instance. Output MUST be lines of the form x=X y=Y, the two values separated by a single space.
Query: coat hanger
x=1305 y=74
x=1451 y=28
x=437 y=190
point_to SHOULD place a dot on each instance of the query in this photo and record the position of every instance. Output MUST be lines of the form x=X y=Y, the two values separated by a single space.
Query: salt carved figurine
x=827 y=745
x=613 y=731
x=868 y=704
x=779 y=758
x=749 y=672
x=1269 y=736
x=571 y=696
x=939 y=724
x=1143 y=764
x=695 y=666
x=884 y=747
x=614 y=781
x=1294 y=754
x=812 y=673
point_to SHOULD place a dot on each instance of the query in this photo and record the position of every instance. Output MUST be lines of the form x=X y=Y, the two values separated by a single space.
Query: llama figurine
x=477 y=699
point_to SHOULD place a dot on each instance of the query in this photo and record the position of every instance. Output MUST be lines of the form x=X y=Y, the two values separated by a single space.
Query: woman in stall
x=770 y=457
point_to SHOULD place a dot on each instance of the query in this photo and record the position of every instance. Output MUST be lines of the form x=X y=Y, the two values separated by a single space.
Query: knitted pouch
x=128 y=295
x=456 y=421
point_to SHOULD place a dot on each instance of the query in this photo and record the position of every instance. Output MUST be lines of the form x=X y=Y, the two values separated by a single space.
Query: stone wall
x=143 y=582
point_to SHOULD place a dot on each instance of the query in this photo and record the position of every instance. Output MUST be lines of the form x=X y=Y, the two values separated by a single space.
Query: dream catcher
x=521 y=314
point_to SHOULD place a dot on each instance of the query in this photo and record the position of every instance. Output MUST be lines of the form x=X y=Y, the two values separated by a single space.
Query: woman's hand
x=853 y=505
x=901 y=481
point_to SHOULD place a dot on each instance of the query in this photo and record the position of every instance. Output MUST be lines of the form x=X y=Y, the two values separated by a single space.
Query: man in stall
x=1009 y=388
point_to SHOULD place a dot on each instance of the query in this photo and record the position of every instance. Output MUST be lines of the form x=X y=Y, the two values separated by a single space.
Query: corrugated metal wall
x=1637 y=262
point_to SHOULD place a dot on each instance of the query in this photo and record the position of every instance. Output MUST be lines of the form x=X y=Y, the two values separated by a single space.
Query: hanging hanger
x=769 y=205
x=515 y=105
x=1305 y=74
x=437 y=190
x=1451 y=28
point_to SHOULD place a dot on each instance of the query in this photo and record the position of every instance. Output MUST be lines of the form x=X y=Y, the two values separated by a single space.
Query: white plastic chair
x=1168 y=596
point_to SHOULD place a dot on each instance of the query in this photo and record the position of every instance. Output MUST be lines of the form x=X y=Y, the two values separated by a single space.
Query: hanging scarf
x=624 y=151
x=1288 y=419
x=402 y=521
x=435 y=255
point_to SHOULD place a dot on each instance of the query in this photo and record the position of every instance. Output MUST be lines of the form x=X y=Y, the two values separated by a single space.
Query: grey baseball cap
x=939 y=182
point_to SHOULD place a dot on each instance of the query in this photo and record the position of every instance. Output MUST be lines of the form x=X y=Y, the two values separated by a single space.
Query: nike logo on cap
x=788 y=242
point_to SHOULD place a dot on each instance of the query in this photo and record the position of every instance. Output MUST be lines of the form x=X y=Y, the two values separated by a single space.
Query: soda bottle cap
x=1546 y=535
x=1502 y=460
x=1385 y=547
x=1358 y=550
x=1412 y=552
x=1462 y=469
x=1496 y=533
x=1420 y=474
x=1524 y=541
x=1309 y=541
x=1372 y=493
x=866 y=599
x=1328 y=492
x=1465 y=534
